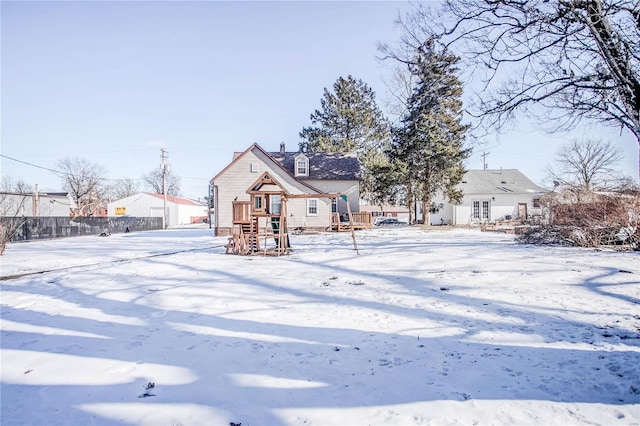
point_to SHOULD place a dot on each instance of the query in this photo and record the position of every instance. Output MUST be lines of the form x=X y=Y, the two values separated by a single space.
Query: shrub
x=588 y=219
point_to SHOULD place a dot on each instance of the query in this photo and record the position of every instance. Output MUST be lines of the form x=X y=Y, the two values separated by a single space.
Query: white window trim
x=486 y=212
x=304 y=159
x=309 y=200
x=272 y=204
x=473 y=210
x=481 y=210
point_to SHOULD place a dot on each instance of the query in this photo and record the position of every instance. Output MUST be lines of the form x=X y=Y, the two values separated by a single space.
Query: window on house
x=481 y=210
x=312 y=207
x=485 y=210
x=334 y=205
x=536 y=202
x=276 y=204
x=255 y=167
x=302 y=167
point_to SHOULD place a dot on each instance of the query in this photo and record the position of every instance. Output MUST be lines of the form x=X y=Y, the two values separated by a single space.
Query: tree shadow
x=239 y=341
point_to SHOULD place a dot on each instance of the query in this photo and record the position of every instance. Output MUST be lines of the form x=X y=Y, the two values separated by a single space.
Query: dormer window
x=302 y=165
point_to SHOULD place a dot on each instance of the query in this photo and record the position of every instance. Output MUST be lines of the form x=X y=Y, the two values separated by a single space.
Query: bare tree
x=153 y=181
x=561 y=61
x=84 y=181
x=17 y=186
x=589 y=165
x=124 y=188
x=400 y=85
x=13 y=202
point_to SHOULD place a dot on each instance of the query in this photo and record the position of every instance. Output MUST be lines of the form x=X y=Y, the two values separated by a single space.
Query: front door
x=522 y=210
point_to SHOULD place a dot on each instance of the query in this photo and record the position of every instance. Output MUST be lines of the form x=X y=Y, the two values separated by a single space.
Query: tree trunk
x=411 y=205
x=426 y=218
x=638 y=159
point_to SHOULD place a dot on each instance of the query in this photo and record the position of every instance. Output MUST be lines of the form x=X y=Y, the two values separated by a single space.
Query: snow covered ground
x=423 y=327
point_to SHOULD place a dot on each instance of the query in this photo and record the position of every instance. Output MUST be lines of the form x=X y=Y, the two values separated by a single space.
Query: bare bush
x=587 y=219
x=13 y=202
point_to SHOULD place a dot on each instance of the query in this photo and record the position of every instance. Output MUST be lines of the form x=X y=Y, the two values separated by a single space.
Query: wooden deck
x=361 y=220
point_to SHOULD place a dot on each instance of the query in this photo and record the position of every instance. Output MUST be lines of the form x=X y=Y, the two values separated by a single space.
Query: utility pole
x=164 y=166
x=209 y=204
x=36 y=202
x=484 y=159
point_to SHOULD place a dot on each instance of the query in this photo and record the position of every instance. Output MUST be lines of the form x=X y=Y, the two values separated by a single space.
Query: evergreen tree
x=430 y=142
x=349 y=121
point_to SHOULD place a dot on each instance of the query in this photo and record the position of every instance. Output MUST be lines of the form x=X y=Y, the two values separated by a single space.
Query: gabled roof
x=237 y=156
x=176 y=200
x=301 y=179
x=268 y=182
x=502 y=181
x=323 y=165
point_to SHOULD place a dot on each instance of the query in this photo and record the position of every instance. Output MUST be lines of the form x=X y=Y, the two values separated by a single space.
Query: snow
x=446 y=327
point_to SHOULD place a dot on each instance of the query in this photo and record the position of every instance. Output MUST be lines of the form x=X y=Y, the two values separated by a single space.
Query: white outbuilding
x=180 y=211
x=489 y=196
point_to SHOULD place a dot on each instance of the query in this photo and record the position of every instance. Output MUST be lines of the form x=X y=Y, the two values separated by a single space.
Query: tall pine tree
x=349 y=121
x=430 y=142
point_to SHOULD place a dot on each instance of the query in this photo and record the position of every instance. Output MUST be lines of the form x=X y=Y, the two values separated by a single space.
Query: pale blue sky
x=113 y=82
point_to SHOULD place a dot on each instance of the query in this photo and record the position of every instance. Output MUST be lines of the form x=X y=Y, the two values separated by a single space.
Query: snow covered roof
x=176 y=200
x=499 y=181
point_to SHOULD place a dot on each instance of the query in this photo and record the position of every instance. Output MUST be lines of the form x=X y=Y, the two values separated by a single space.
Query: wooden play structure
x=260 y=225
x=254 y=224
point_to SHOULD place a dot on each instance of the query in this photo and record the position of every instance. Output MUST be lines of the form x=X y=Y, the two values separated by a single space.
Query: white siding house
x=180 y=211
x=489 y=196
x=37 y=204
x=298 y=174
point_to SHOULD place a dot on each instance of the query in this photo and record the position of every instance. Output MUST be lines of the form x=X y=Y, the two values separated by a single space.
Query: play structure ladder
x=250 y=234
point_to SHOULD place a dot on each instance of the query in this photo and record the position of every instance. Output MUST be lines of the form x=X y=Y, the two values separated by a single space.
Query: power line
x=57 y=172
x=33 y=165
x=63 y=174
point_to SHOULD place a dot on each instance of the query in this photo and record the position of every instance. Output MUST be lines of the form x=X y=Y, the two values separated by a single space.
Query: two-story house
x=312 y=181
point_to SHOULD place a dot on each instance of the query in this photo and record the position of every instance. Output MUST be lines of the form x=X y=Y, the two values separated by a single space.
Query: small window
x=302 y=167
x=257 y=204
x=476 y=209
x=255 y=167
x=334 y=205
x=312 y=207
x=536 y=202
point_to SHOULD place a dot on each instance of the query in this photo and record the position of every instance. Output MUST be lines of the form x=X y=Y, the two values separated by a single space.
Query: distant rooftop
x=498 y=181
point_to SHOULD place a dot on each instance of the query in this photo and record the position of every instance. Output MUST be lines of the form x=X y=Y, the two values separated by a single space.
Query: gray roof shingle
x=323 y=165
x=498 y=182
